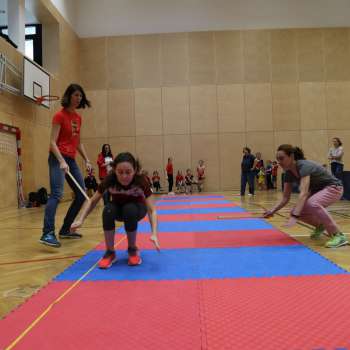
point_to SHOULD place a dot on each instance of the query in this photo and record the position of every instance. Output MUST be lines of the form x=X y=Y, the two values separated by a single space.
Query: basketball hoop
x=39 y=100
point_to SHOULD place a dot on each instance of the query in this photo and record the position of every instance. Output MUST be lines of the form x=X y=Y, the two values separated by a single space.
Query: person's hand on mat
x=64 y=166
x=291 y=222
x=75 y=225
x=268 y=214
x=154 y=240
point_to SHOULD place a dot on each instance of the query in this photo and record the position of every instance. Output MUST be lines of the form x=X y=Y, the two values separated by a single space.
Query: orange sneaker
x=107 y=260
x=134 y=257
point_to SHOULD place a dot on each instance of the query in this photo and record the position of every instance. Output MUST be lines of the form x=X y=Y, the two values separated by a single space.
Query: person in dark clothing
x=90 y=182
x=247 y=174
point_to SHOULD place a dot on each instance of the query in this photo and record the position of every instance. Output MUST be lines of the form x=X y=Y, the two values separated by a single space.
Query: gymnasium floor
x=26 y=266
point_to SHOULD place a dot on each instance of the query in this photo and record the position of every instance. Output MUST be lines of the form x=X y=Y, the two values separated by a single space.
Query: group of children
x=267 y=176
x=183 y=183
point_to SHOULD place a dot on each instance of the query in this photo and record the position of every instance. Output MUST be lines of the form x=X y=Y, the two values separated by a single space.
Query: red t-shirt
x=200 y=172
x=179 y=178
x=155 y=178
x=170 y=169
x=69 y=136
x=274 y=170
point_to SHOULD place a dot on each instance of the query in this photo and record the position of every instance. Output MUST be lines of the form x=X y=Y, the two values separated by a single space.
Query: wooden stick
x=76 y=184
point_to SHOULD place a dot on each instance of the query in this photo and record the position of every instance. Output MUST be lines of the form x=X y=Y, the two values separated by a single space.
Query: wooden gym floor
x=26 y=265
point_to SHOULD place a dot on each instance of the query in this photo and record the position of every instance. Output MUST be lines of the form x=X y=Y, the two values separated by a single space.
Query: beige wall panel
x=312 y=106
x=119 y=62
x=93 y=65
x=315 y=145
x=69 y=59
x=179 y=148
x=344 y=136
x=43 y=116
x=149 y=150
x=122 y=144
x=93 y=147
x=41 y=151
x=203 y=109
x=94 y=119
x=229 y=57
x=7 y=103
x=201 y=56
x=5 y=118
x=257 y=56
x=24 y=108
x=51 y=54
x=148 y=112
x=262 y=142
x=287 y=137
x=310 y=49
x=206 y=147
x=337 y=54
x=231 y=108
x=286 y=110
x=176 y=114
x=283 y=56
x=146 y=61
x=338 y=105
x=174 y=59
x=258 y=107
x=121 y=117
x=230 y=149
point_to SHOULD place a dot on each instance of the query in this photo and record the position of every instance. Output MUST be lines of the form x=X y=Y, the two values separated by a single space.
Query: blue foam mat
x=208 y=225
x=200 y=210
x=190 y=264
x=171 y=203
x=185 y=197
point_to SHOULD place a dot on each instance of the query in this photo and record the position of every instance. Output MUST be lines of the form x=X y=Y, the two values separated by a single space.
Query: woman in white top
x=335 y=156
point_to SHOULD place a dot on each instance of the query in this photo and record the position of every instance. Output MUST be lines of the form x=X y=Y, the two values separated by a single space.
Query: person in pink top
x=318 y=190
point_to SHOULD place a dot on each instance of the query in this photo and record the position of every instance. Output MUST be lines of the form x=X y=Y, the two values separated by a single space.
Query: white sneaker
x=249 y=194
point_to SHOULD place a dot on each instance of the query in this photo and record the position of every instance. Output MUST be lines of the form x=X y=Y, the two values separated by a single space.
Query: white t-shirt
x=108 y=160
x=336 y=152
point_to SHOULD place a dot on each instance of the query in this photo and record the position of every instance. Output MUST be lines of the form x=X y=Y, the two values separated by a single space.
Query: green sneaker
x=336 y=241
x=317 y=232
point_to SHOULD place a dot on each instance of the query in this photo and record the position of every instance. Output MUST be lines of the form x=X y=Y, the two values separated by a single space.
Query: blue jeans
x=247 y=176
x=337 y=170
x=57 y=176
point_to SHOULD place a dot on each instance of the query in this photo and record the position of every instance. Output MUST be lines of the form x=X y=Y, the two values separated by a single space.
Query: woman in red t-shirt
x=170 y=173
x=131 y=201
x=64 y=144
x=104 y=161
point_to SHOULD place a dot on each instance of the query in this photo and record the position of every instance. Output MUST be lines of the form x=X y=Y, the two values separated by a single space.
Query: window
x=33 y=41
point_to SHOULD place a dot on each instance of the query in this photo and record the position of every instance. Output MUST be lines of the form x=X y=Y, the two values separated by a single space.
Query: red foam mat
x=118 y=315
x=292 y=313
x=194 y=206
x=211 y=239
x=200 y=217
x=284 y=313
x=19 y=319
